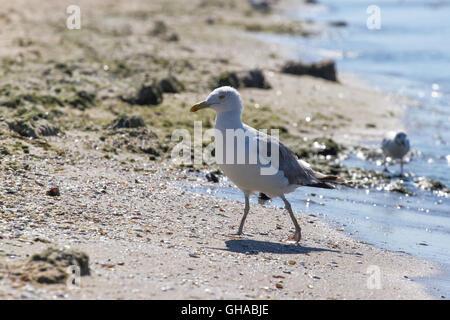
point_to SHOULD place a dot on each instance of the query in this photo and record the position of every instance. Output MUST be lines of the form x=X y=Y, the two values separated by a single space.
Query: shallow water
x=409 y=55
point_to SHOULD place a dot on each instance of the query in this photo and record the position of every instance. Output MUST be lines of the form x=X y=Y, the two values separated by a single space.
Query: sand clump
x=51 y=266
x=171 y=84
x=125 y=121
x=243 y=79
x=34 y=129
x=325 y=69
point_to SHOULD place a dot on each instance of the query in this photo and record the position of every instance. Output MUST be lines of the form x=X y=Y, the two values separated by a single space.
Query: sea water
x=408 y=54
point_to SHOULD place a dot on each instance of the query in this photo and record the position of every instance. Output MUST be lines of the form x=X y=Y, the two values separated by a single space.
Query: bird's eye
x=222 y=96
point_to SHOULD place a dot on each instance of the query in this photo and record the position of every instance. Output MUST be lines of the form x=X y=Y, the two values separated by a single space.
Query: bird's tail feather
x=329 y=178
x=326 y=180
x=322 y=185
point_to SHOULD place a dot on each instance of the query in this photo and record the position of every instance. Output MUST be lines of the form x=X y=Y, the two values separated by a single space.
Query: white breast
x=247 y=175
x=394 y=150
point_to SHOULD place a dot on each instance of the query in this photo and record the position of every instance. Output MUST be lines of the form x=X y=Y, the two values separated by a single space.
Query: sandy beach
x=123 y=202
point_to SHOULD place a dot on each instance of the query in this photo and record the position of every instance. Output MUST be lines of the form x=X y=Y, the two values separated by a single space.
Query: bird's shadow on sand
x=248 y=246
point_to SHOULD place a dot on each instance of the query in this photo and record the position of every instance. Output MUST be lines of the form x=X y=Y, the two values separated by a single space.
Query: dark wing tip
x=322 y=185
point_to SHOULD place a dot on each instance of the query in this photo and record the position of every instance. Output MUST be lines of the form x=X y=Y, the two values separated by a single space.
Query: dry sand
x=146 y=236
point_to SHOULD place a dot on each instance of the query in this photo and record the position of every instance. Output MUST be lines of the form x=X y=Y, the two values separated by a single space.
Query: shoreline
x=123 y=209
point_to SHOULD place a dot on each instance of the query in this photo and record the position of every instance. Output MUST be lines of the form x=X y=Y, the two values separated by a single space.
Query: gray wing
x=385 y=144
x=407 y=145
x=297 y=172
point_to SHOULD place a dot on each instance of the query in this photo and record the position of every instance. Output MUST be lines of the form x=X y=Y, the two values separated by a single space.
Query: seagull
x=395 y=146
x=248 y=176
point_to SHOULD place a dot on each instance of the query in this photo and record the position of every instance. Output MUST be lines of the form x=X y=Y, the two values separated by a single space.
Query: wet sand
x=153 y=240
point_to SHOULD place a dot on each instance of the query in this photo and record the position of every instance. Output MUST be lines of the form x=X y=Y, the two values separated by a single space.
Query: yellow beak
x=200 y=105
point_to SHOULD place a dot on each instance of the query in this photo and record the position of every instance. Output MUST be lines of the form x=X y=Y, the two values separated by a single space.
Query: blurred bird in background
x=395 y=146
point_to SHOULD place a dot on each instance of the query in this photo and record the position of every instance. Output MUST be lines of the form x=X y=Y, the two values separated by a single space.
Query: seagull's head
x=223 y=99
x=401 y=138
